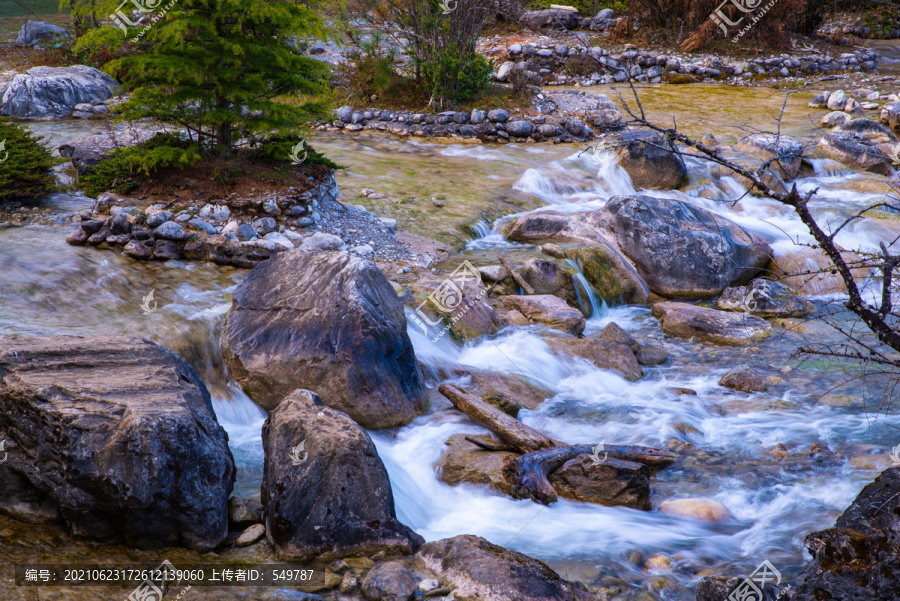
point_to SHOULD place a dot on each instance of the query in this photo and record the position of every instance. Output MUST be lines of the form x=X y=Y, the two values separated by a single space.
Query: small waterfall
x=482 y=229
x=583 y=289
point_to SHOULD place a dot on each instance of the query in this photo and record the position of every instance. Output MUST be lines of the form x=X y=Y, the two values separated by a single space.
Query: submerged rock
x=721 y=327
x=697 y=508
x=481 y=571
x=328 y=322
x=116 y=438
x=605 y=354
x=646 y=158
x=325 y=490
x=744 y=379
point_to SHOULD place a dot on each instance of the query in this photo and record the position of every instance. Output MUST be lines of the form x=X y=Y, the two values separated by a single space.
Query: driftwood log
x=541 y=455
x=529 y=473
x=515 y=275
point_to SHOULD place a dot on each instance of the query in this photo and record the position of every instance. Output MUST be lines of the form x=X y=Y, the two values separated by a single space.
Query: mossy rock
x=600 y=271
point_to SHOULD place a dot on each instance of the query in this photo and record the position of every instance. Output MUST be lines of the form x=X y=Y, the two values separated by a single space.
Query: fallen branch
x=529 y=473
x=515 y=275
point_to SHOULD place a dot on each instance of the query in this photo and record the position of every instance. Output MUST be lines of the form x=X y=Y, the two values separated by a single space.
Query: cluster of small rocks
x=218 y=233
x=96 y=108
x=546 y=64
x=569 y=19
x=847 y=27
x=495 y=125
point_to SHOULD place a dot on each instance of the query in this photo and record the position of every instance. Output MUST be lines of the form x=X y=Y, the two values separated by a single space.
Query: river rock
x=251 y=535
x=114 y=436
x=546 y=309
x=649 y=165
x=765 y=298
x=788 y=150
x=329 y=322
x=463 y=461
x=508 y=392
x=820 y=101
x=389 y=581
x=604 y=354
x=792 y=267
x=137 y=250
x=86 y=152
x=697 y=508
x=868 y=128
x=547 y=277
x=613 y=332
x=53 y=92
x=326 y=492
x=78 y=237
x=170 y=231
x=744 y=379
x=890 y=114
x=835 y=119
x=166 y=250
x=651 y=353
x=856 y=151
x=681 y=250
x=539 y=225
x=613 y=482
x=321 y=241
x=859 y=558
x=481 y=571
x=551 y=18
x=837 y=100
x=521 y=129
x=34 y=32
x=721 y=327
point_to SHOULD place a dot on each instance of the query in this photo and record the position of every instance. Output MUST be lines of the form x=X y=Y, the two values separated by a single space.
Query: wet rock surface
x=689 y=321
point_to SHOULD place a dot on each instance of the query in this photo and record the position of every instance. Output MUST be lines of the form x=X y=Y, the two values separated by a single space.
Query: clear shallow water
x=47 y=286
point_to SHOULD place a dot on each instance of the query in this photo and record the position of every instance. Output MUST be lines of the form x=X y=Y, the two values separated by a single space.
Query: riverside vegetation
x=564 y=303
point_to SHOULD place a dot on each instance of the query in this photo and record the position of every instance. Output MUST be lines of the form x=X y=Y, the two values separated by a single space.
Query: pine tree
x=218 y=68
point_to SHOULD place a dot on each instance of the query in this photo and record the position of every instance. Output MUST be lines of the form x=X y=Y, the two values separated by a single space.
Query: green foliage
x=279 y=147
x=217 y=67
x=119 y=172
x=99 y=46
x=27 y=169
x=456 y=76
x=88 y=14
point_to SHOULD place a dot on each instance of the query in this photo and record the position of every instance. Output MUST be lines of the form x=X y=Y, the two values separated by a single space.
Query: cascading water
x=482 y=228
x=587 y=296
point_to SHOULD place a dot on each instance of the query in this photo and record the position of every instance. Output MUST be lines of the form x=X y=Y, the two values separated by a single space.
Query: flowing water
x=48 y=287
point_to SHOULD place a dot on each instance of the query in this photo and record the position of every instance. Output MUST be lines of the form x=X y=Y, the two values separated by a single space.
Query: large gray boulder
x=116 y=438
x=481 y=571
x=681 y=250
x=648 y=160
x=53 y=92
x=856 y=151
x=35 y=32
x=552 y=19
x=328 y=322
x=325 y=490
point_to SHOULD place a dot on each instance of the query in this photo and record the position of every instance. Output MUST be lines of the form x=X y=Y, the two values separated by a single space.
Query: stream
x=49 y=287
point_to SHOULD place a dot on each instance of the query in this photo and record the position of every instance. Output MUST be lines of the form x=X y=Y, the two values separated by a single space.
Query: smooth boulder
x=481 y=571
x=855 y=150
x=53 y=92
x=329 y=322
x=548 y=310
x=649 y=162
x=681 y=250
x=722 y=327
x=325 y=490
x=115 y=437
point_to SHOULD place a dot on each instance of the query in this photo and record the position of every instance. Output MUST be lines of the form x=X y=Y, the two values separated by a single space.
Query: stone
x=681 y=250
x=477 y=117
x=463 y=461
x=170 y=231
x=313 y=510
x=521 y=129
x=613 y=332
x=245 y=512
x=547 y=309
x=344 y=114
x=281 y=241
x=857 y=558
x=78 y=237
x=363 y=250
x=504 y=70
x=787 y=150
x=699 y=508
x=651 y=354
x=648 y=165
x=613 y=482
x=551 y=18
x=270 y=206
x=508 y=392
x=137 y=250
x=265 y=225
x=837 y=100
x=834 y=119
x=605 y=354
x=53 y=92
x=86 y=152
x=245 y=232
x=856 y=151
x=320 y=241
x=329 y=322
x=34 y=32
x=158 y=218
x=765 y=298
x=820 y=101
x=166 y=250
x=548 y=277
x=537 y=226
x=389 y=581
x=493 y=273
x=481 y=571
x=890 y=114
x=868 y=128
x=498 y=116
x=146 y=463
x=215 y=212
x=203 y=226
x=119 y=224
x=722 y=327
x=744 y=379
x=251 y=535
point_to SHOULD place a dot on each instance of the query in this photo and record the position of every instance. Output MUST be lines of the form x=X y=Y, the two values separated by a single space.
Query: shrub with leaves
x=26 y=170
